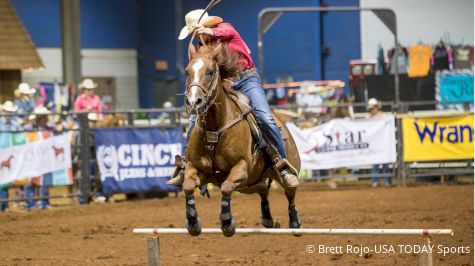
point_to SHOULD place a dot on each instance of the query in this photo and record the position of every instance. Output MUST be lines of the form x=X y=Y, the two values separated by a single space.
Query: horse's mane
x=228 y=63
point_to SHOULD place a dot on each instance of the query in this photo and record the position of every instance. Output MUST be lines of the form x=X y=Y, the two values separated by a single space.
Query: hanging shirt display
x=419 y=60
x=462 y=56
x=401 y=60
x=381 y=66
x=440 y=58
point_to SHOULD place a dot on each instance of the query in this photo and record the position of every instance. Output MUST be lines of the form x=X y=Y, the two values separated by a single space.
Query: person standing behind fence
x=8 y=123
x=374 y=109
x=41 y=123
x=25 y=103
x=88 y=101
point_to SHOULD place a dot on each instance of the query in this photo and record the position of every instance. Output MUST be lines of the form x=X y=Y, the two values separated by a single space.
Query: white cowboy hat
x=87 y=84
x=41 y=110
x=24 y=88
x=8 y=106
x=191 y=19
x=373 y=103
x=92 y=116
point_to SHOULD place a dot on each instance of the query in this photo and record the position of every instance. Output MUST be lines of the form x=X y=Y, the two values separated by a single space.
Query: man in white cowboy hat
x=25 y=103
x=374 y=109
x=41 y=122
x=40 y=119
x=212 y=30
x=88 y=101
x=9 y=121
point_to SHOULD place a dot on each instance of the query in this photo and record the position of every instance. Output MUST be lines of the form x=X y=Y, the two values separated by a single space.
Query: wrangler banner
x=429 y=139
x=346 y=143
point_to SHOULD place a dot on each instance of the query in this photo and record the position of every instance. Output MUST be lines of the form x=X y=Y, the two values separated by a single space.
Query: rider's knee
x=264 y=117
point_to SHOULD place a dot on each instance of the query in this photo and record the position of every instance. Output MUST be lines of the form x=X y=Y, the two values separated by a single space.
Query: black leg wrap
x=267 y=220
x=227 y=222
x=193 y=223
x=294 y=221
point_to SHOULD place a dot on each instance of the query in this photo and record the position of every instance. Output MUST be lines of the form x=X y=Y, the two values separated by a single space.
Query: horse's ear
x=191 y=51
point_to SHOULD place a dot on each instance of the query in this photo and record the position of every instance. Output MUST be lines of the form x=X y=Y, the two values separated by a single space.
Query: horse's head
x=202 y=78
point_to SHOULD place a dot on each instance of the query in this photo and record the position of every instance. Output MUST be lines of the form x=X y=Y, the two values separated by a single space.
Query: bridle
x=212 y=89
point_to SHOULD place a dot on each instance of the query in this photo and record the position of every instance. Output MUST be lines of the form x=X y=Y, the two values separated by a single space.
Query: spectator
x=25 y=103
x=374 y=109
x=8 y=120
x=41 y=123
x=88 y=101
x=94 y=183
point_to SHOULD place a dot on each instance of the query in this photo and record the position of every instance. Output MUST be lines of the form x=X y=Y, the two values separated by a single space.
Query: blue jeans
x=381 y=170
x=4 y=196
x=251 y=87
x=29 y=191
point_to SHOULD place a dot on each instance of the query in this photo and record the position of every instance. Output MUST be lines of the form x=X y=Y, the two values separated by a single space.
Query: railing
x=176 y=117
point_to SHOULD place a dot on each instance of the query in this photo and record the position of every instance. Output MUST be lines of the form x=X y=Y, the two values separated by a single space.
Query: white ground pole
x=153 y=242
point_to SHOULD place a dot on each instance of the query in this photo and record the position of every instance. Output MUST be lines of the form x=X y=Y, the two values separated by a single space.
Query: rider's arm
x=224 y=31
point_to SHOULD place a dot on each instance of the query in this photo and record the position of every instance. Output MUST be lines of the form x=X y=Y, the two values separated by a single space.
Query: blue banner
x=137 y=159
x=454 y=88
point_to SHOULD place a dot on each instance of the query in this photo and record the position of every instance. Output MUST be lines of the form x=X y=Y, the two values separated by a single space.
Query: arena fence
x=153 y=242
x=86 y=178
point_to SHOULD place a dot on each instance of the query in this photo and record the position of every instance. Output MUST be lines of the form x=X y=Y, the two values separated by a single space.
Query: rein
x=209 y=91
x=212 y=137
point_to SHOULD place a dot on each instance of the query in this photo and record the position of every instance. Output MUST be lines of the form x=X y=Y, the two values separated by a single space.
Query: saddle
x=250 y=118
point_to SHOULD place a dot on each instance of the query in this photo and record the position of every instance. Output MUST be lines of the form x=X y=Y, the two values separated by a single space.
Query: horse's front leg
x=193 y=223
x=236 y=176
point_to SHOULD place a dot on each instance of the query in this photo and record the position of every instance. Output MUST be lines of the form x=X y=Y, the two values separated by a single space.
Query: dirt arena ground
x=101 y=234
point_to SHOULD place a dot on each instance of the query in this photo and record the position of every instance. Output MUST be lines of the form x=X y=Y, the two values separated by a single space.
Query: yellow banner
x=428 y=139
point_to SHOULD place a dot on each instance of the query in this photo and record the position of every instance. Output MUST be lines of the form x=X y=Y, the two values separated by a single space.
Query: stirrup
x=178 y=175
x=288 y=173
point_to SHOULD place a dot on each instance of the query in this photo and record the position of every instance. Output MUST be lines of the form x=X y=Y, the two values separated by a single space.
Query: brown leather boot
x=288 y=173
x=179 y=174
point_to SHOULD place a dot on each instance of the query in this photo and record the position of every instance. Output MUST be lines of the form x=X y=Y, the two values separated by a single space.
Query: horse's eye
x=187 y=72
x=209 y=73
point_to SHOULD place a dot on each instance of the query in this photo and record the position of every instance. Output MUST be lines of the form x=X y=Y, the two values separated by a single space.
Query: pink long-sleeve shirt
x=87 y=104
x=226 y=32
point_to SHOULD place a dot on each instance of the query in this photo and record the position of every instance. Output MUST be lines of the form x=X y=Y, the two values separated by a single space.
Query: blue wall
x=104 y=23
x=292 y=46
x=341 y=34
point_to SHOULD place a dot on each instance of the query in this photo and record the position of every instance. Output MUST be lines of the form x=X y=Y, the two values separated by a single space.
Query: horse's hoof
x=194 y=229
x=230 y=229
x=267 y=223
x=295 y=224
x=276 y=224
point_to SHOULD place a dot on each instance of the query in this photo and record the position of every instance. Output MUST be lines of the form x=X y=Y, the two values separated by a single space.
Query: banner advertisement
x=429 y=139
x=453 y=88
x=137 y=160
x=26 y=155
x=346 y=143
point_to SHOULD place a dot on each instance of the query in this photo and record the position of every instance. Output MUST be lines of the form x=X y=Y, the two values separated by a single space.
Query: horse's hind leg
x=267 y=220
x=294 y=221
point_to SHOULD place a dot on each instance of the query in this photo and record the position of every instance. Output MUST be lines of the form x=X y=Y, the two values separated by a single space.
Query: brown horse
x=221 y=149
